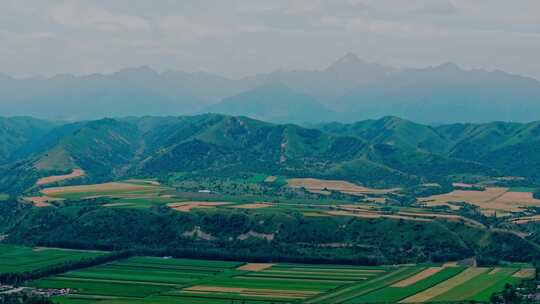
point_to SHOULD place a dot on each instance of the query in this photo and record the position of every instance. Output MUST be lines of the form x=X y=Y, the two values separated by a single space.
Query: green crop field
x=18 y=259
x=149 y=280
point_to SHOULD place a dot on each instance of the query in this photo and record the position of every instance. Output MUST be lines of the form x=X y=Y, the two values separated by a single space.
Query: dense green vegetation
x=235 y=234
x=382 y=153
x=231 y=158
x=18 y=264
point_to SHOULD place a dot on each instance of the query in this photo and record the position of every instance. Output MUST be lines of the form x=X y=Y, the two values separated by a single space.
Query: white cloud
x=439 y=7
x=239 y=37
x=78 y=14
x=186 y=28
x=394 y=29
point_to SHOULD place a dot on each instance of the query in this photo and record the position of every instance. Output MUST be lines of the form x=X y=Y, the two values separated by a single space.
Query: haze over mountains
x=348 y=90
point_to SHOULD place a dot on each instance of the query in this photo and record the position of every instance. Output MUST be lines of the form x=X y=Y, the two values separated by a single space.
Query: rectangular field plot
x=472 y=284
x=135 y=278
x=284 y=283
x=145 y=280
x=410 y=286
x=18 y=259
x=350 y=293
x=481 y=287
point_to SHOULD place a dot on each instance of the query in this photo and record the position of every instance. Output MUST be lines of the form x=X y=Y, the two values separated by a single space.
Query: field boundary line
x=351 y=287
x=443 y=287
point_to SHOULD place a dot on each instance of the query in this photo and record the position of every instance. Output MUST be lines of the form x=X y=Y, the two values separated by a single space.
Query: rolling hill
x=379 y=153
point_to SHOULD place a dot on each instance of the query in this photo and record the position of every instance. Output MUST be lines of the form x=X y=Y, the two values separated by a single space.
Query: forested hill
x=380 y=153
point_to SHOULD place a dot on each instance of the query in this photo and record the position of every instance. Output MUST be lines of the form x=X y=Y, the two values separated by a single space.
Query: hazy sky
x=240 y=37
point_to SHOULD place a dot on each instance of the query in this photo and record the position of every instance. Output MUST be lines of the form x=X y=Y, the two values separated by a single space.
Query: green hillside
x=389 y=152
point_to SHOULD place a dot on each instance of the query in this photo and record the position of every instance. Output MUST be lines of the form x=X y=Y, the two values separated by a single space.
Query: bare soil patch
x=462 y=185
x=270 y=179
x=418 y=277
x=188 y=206
x=525 y=273
x=41 y=201
x=58 y=178
x=199 y=234
x=255 y=266
x=317 y=185
x=251 y=233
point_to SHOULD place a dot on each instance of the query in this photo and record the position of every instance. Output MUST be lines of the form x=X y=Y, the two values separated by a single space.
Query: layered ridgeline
x=511 y=149
x=389 y=152
x=350 y=89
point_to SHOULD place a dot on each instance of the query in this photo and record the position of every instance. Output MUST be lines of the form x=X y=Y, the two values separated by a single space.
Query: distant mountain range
x=388 y=152
x=348 y=90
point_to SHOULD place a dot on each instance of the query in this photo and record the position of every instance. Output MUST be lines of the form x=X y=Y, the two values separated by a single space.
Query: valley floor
x=147 y=280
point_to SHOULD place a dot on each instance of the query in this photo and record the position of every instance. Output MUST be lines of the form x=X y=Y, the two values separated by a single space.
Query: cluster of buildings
x=32 y=292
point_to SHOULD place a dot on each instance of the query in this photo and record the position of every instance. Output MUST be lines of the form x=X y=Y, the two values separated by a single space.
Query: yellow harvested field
x=490 y=201
x=188 y=206
x=413 y=215
x=445 y=286
x=270 y=179
x=252 y=206
x=255 y=266
x=525 y=273
x=317 y=185
x=450 y=205
x=418 y=277
x=58 y=178
x=254 y=292
x=41 y=201
x=451 y=264
x=449 y=217
x=97 y=188
x=364 y=214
